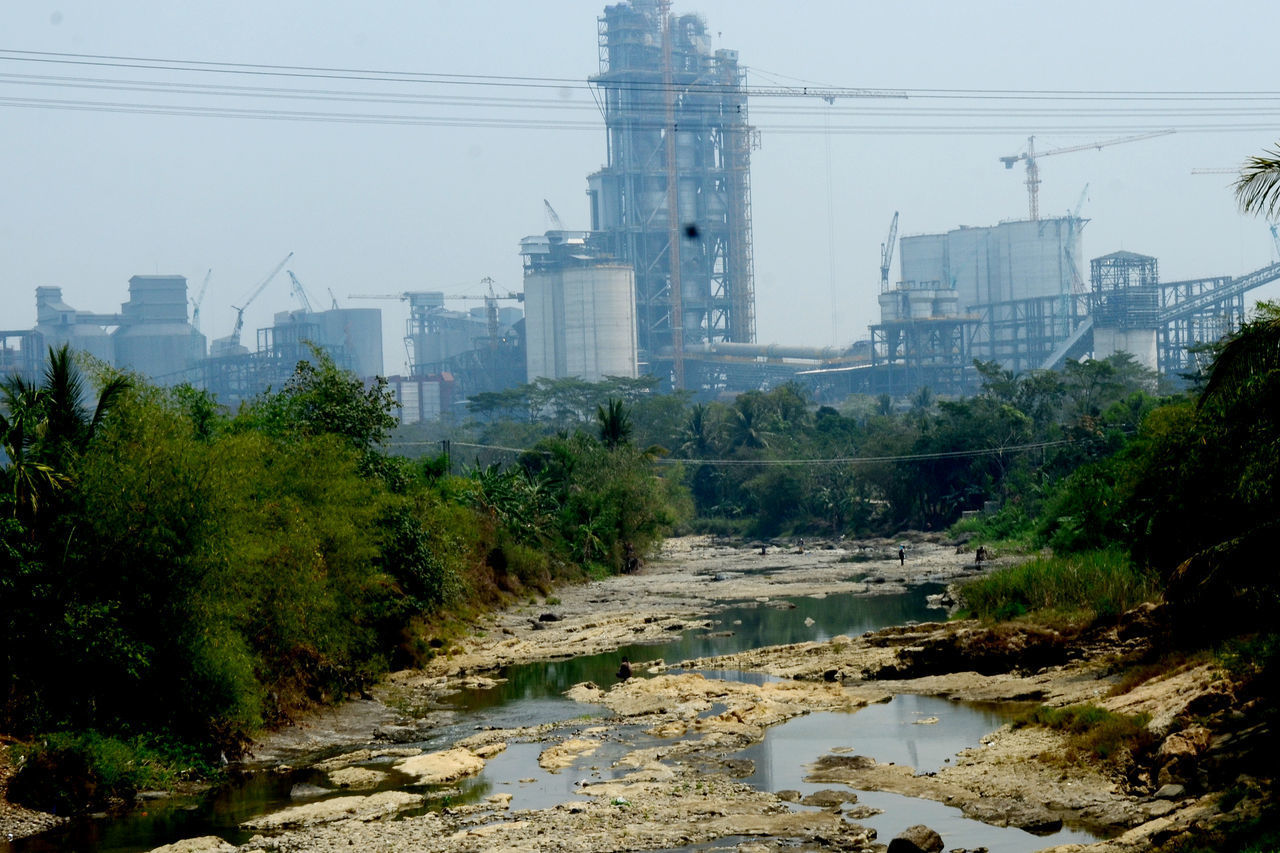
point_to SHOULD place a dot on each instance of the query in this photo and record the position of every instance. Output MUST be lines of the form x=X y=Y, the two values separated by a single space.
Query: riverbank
x=656 y=762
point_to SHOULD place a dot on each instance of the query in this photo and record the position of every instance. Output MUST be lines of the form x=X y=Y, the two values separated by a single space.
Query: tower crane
x=232 y=341
x=886 y=253
x=1033 y=170
x=300 y=292
x=491 y=299
x=195 y=303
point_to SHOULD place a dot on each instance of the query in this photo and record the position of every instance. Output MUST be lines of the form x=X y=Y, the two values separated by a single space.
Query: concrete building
x=580 y=309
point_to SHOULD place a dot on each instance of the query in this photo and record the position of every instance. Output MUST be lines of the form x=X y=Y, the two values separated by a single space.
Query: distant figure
x=801 y=546
x=632 y=561
x=902 y=555
x=624 y=669
x=982 y=554
x=763 y=551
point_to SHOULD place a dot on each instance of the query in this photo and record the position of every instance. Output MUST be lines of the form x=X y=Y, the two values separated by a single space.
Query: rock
x=1191 y=741
x=550 y=617
x=489 y=750
x=789 y=796
x=1170 y=792
x=302 y=790
x=357 y=777
x=808 y=622
x=561 y=755
x=1007 y=811
x=843 y=762
x=831 y=675
x=204 y=844
x=829 y=798
x=398 y=734
x=916 y=839
x=367 y=808
x=435 y=768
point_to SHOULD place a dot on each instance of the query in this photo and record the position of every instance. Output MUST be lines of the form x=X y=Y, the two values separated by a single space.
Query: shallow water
x=531 y=695
x=896 y=732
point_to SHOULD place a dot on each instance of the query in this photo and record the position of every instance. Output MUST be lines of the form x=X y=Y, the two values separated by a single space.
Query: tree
x=1258 y=187
x=615 y=423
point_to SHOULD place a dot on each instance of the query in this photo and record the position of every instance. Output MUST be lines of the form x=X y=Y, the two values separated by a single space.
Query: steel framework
x=676 y=184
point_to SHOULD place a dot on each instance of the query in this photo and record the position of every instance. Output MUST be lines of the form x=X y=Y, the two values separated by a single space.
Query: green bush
x=1102 y=584
x=71 y=772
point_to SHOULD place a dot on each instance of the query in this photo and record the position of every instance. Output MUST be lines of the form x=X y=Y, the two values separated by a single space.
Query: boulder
x=916 y=839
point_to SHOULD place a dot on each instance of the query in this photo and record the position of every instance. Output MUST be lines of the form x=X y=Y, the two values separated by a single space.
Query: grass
x=1097 y=584
x=1093 y=733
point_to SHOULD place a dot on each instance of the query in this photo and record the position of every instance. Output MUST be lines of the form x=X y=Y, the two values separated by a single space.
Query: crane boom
x=886 y=253
x=1033 y=170
x=300 y=292
x=195 y=303
x=262 y=285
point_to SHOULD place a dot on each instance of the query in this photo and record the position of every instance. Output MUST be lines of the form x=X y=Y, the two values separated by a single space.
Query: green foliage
x=1101 y=584
x=1094 y=733
x=67 y=773
x=1010 y=526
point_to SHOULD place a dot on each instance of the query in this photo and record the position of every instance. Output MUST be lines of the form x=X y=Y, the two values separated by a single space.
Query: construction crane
x=1033 y=170
x=333 y=299
x=300 y=292
x=490 y=299
x=886 y=253
x=553 y=216
x=1074 y=226
x=195 y=303
x=232 y=340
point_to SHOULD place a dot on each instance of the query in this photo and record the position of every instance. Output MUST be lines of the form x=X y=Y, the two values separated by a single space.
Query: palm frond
x=1258 y=187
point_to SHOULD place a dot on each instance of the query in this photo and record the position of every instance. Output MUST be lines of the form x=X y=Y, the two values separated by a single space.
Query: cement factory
x=662 y=283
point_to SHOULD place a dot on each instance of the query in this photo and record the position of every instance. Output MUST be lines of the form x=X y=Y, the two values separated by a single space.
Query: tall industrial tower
x=678 y=140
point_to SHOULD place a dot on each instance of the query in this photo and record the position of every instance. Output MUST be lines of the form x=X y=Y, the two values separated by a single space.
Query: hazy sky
x=91 y=197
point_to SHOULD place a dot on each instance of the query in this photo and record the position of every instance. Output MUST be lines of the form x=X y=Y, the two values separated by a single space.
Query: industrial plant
x=662 y=283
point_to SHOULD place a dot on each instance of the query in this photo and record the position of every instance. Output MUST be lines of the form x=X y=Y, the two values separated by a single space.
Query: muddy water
x=531 y=695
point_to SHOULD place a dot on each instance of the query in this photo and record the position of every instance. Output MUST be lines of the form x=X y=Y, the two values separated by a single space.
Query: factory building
x=1013 y=294
x=580 y=308
x=481 y=349
x=673 y=200
x=151 y=335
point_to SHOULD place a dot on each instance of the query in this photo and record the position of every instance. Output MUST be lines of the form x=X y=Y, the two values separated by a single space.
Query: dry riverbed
x=658 y=759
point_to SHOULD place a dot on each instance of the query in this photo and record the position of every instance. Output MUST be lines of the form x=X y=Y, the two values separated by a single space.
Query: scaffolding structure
x=910 y=353
x=674 y=197
x=1023 y=334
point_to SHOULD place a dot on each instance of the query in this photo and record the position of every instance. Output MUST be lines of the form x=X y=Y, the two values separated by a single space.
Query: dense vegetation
x=172 y=574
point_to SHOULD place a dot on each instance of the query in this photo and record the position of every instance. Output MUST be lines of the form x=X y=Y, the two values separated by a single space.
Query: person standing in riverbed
x=902 y=555
x=624 y=669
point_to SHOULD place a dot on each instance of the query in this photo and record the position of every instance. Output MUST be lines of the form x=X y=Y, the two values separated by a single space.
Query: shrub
x=1093 y=732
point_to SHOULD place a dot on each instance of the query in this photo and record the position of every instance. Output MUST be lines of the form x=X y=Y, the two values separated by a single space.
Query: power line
x=834 y=460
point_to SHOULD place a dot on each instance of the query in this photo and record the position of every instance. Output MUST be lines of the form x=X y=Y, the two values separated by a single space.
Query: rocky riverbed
x=656 y=761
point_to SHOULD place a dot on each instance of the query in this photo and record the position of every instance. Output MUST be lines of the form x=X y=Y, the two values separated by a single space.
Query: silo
x=923 y=259
x=359 y=332
x=154 y=337
x=599 y=322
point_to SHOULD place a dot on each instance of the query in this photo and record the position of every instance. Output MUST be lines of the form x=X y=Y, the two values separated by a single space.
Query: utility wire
x=835 y=460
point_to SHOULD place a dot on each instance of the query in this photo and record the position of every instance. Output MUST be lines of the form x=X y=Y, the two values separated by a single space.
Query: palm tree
x=1258 y=187
x=1248 y=355
x=615 y=423
x=46 y=425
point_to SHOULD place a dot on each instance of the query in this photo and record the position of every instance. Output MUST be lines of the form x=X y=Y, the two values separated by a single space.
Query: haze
x=93 y=197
